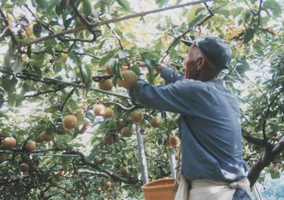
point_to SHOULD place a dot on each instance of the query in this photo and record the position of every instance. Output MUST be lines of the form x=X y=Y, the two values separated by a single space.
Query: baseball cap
x=214 y=49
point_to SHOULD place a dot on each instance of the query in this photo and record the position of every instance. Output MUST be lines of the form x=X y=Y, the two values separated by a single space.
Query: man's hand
x=159 y=68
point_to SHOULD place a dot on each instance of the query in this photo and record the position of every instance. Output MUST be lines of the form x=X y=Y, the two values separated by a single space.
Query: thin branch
x=69 y=96
x=121 y=106
x=44 y=92
x=279 y=147
x=231 y=70
x=10 y=33
x=47 y=80
x=257 y=88
x=86 y=171
x=115 y=35
x=254 y=140
x=100 y=78
x=59 y=51
x=36 y=151
x=32 y=13
x=259 y=10
x=85 y=21
x=113 y=176
x=267 y=113
x=251 y=10
x=186 y=32
x=56 y=35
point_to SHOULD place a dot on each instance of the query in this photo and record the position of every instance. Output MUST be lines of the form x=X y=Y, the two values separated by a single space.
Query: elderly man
x=211 y=141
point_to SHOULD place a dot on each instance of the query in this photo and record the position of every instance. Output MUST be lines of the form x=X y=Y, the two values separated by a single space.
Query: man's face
x=190 y=65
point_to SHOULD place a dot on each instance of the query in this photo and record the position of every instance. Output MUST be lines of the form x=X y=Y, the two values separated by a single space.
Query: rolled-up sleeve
x=170 y=76
x=173 y=97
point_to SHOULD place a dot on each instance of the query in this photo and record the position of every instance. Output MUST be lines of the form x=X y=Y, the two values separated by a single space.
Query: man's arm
x=174 y=97
x=166 y=73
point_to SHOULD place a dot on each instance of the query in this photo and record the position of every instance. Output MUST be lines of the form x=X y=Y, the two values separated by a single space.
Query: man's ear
x=200 y=63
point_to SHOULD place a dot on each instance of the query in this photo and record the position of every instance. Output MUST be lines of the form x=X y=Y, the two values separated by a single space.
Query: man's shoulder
x=193 y=84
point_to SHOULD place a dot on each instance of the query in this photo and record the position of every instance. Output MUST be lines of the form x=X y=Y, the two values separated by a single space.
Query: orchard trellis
x=56 y=51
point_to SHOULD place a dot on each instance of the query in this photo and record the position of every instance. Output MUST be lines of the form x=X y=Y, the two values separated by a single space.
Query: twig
x=44 y=25
x=115 y=35
x=186 y=32
x=44 y=92
x=259 y=10
x=121 y=106
x=279 y=147
x=83 y=19
x=63 y=83
x=257 y=88
x=15 y=42
x=69 y=95
x=267 y=113
x=100 y=78
x=254 y=14
x=113 y=176
x=56 y=35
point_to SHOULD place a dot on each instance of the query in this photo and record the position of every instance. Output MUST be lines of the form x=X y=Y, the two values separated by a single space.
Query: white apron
x=210 y=190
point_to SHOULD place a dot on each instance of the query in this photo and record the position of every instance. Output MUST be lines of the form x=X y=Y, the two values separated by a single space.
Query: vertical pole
x=142 y=156
x=173 y=162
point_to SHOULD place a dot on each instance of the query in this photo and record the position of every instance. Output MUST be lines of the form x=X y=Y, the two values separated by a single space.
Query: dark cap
x=214 y=49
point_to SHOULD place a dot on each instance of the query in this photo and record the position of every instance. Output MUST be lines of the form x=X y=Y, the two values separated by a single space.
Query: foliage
x=54 y=50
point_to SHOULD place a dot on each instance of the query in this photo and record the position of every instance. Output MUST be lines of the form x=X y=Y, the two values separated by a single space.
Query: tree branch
x=259 y=10
x=251 y=10
x=44 y=92
x=279 y=147
x=186 y=32
x=56 y=35
x=69 y=95
x=122 y=106
x=47 y=80
x=115 y=35
x=267 y=113
x=10 y=33
x=113 y=176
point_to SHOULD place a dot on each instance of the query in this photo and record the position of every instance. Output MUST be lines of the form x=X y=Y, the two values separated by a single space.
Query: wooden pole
x=142 y=156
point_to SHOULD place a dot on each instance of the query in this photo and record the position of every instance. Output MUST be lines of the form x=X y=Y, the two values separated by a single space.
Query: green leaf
x=150 y=59
x=161 y=3
x=222 y=11
x=195 y=21
x=151 y=63
x=242 y=66
x=37 y=28
x=28 y=87
x=124 y=3
x=41 y=4
x=273 y=6
x=17 y=66
x=1 y=100
x=51 y=5
x=60 y=7
x=73 y=104
x=86 y=72
x=35 y=62
x=248 y=35
x=87 y=8
x=106 y=58
x=51 y=109
x=7 y=60
x=9 y=84
x=236 y=12
x=115 y=66
x=67 y=22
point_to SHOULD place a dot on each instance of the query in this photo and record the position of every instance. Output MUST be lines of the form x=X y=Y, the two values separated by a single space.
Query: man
x=209 y=124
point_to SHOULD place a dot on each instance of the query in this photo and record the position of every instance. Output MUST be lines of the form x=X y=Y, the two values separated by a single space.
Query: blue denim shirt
x=210 y=128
